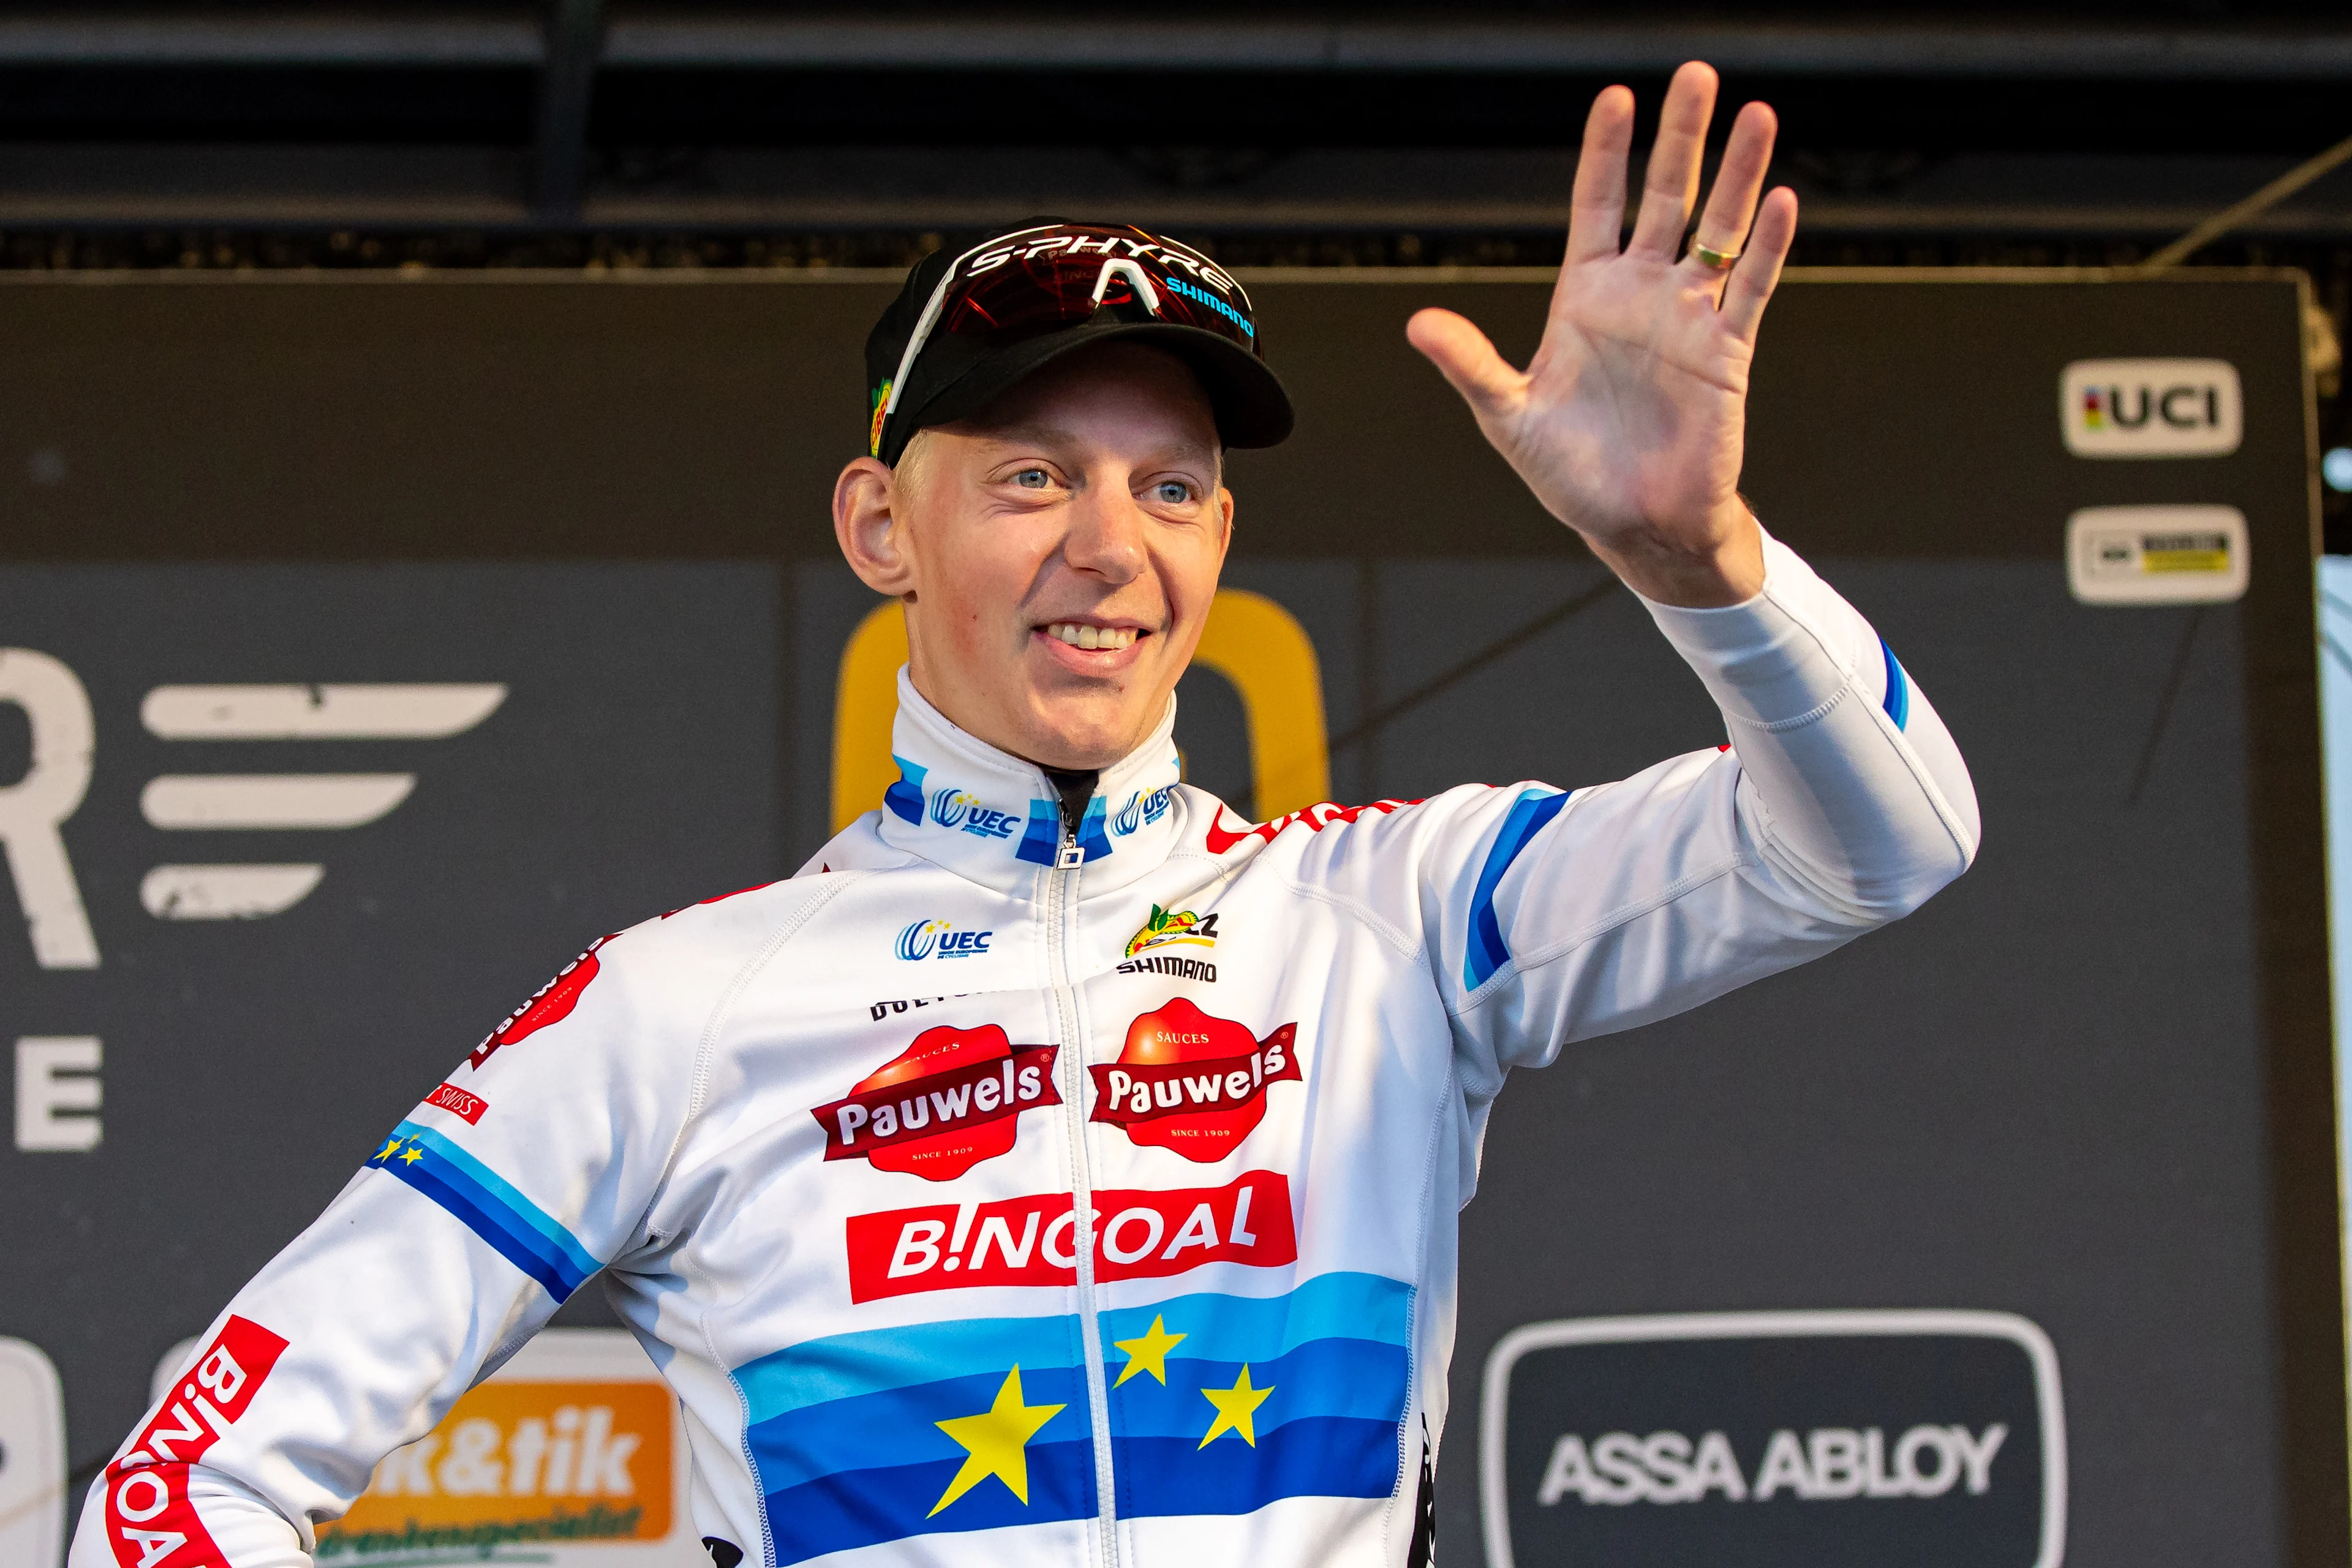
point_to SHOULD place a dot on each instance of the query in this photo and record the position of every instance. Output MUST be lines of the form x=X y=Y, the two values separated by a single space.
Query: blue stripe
x=1329 y=1377
x=898 y=1427
x=495 y=1187
x=1045 y=836
x=1260 y=1328
x=1091 y=838
x=846 y=1366
x=1529 y=814
x=502 y=1239
x=1899 y=687
x=1326 y=1456
x=868 y=1507
x=904 y=798
x=489 y=1208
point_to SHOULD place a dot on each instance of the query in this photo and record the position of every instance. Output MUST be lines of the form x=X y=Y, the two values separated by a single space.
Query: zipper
x=1061 y=901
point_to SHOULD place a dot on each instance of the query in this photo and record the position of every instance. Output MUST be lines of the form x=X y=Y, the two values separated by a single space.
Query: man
x=1060 y=1169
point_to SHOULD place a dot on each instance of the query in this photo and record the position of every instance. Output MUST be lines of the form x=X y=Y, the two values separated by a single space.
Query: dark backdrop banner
x=2008 y=1229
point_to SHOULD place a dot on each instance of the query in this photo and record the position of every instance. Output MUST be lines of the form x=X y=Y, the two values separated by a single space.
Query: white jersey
x=991 y=1192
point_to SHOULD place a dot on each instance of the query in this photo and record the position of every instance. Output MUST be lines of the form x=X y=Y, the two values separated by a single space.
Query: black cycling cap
x=970 y=324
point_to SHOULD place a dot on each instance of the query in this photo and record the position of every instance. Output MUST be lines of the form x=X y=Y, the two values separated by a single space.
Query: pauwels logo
x=942 y=1105
x=550 y=1003
x=1192 y=1084
x=2151 y=408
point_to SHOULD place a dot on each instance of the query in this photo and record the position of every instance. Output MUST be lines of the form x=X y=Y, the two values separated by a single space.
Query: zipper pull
x=1072 y=855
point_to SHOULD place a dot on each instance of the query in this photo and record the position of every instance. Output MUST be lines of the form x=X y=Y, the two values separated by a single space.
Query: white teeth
x=1110 y=638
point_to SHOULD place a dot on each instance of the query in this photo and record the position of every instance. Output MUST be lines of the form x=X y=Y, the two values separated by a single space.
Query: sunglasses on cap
x=1036 y=281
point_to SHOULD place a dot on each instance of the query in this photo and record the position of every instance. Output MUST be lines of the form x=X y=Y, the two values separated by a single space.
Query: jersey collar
x=995 y=819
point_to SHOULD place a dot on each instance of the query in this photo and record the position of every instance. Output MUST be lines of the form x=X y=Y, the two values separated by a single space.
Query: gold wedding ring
x=1714 y=260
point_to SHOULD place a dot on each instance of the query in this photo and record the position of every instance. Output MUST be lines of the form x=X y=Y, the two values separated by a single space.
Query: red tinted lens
x=1044 y=285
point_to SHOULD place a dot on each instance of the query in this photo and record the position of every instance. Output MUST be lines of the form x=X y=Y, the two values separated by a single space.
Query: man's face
x=1056 y=558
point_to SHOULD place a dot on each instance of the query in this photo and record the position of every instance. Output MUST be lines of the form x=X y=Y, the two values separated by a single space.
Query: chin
x=1084 y=740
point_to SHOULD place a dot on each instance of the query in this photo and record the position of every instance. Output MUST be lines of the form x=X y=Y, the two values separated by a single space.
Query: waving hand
x=1628 y=424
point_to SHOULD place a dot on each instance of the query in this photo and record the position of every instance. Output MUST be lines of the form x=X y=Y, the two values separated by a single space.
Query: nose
x=1106 y=536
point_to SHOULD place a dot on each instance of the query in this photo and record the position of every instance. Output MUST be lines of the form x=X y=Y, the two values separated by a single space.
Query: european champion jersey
x=997 y=1192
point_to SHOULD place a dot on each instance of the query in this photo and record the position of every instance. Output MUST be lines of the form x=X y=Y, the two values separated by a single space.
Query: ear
x=871 y=534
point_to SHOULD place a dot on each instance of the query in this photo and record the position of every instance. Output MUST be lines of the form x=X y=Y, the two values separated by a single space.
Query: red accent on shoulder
x=1317 y=818
x=720 y=899
x=552 y=1003
x=1725 y=747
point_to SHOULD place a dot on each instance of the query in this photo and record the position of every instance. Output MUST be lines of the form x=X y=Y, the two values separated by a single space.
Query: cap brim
x=1251 y=408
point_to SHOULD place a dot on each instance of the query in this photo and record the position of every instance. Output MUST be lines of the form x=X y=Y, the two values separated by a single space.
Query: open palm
x=1628 y=424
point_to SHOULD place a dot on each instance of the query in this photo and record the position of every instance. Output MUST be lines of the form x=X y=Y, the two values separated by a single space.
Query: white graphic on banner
x=225 y=893
x=384 y=712
x=34 y=809
x=272 y=800
x=57 y=1094
x=32 y=1458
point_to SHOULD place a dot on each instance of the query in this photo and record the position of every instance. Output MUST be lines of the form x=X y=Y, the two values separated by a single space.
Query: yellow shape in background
x=530 y=1455
x=1249 y=640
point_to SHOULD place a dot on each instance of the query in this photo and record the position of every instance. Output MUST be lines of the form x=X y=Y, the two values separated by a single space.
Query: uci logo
x=2150 y=408
x=938 y=939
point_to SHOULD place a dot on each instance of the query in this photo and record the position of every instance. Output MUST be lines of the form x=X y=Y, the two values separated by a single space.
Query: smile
x=1106 y=638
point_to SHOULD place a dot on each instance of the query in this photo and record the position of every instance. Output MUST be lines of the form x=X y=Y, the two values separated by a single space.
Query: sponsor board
x=2151 y=408
x=1034 y=1240
x=941 y=1106
x=1816 y=1440
x=571 y=1453
x=2156 y=554
x=32 y=1458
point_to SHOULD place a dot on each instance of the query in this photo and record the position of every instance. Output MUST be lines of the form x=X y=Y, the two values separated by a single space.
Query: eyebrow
x=1047 y=435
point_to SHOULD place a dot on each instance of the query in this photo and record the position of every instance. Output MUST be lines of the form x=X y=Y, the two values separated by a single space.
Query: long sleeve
x=1840 y=802
x=467 y=1225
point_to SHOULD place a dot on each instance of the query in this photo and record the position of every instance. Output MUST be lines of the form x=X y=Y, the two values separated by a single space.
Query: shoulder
x=1328 y=827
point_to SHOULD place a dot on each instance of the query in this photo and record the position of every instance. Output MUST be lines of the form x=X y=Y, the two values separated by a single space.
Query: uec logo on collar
x=951 y=805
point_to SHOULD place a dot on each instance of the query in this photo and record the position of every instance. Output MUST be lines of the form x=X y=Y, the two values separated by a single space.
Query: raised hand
x=1628 y=424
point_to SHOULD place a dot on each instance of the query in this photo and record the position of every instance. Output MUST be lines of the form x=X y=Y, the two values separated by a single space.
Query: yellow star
x=410 y=1156
x=386 y=1153
x=1149 y=1354
x=996 y=1442
x=1236 y=1407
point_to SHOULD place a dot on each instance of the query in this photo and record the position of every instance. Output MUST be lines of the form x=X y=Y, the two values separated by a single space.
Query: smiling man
x=1060 y=1169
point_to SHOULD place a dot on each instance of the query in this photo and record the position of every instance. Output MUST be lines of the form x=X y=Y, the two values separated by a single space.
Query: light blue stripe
x=496 y=1187
x=844 y=1366
x=1260 y=1328
x=900 y=1425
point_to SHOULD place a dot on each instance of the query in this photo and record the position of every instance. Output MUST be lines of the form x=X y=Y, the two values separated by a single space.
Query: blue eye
x=1033 y=479
x=1173 y=492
